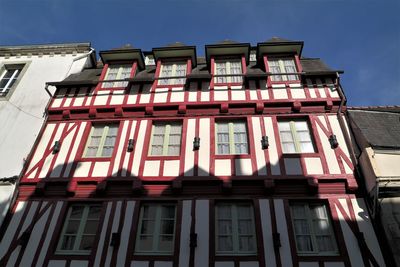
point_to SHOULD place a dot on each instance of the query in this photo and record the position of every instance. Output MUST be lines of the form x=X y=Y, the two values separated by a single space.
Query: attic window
x=281 y=66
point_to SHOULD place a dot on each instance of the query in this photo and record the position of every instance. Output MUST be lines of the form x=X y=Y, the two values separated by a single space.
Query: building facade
x=162 y=158
x=377 y=135
x=24 y=70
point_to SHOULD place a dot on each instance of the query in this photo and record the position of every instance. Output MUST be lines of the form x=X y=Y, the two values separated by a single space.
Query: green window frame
x=295 y=137
x=156 y=231
x=166 y=139
x=283 y=65
x=231 y=138
x=117 y=72
x=313 y=229
x=79 y=230
x=101 y=141
x=235 y=229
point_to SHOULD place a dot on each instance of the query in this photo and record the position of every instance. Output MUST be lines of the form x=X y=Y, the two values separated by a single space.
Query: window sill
x=232 y=156
x=149 y=157
x=100 y=159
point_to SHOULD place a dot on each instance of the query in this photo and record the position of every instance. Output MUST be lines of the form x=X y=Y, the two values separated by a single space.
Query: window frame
x=80 y=232
x=231 y=134
x=156 y=235
x=166 y=138
x=172 y=81
x=3 y=69
x=103 y=138
x=227 y=61
x=283 y=78
x=119 y=75
x=235 y=229
x=295 y=138
x=310 y=218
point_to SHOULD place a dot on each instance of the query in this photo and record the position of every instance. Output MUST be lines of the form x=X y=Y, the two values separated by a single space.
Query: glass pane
x=223 y=149
x=244 y=212
x=168 y=212
x=167 y=227
x=224 y=212
x=158 y=139
x=87 y=242
x=245 y=227
x=147 y=227
x=173 y=150
x=76 y=212
x=301 y=126
x=68 y=242
x=306 y=147
x=166 y=243
x=223 y=127
x=91 y=152
x=284 y=126
x=72 y=227
x=289 y=148
x=224 y=243
x=304 y=243
x=246 y=243
x=156 y=150
x=301 y=227
x=286 y=136
x=91 y=227
x=321 y=227
x=145 y=243
x=298 y=211
x=303 y=136
x=107 y=152
x=325 y=243
x=94 y=212
x=224 y=227
x=149 y=211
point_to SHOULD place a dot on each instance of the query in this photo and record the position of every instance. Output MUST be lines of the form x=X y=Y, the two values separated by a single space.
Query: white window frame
x=235 y=229
x=232 y=143
x=17 y=69
x=80 y=232
x=104 y=135
x=121 y=73
x=156 y=235
x=282 y=66
x=295 y=136
x=164 y=79
x=228 y=69
x=166 y=142
x=309 y=216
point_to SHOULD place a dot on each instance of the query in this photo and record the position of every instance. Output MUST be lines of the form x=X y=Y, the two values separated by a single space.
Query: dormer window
x=282 y=66
x=224 y=68
x=117 y=72
x=172 y=73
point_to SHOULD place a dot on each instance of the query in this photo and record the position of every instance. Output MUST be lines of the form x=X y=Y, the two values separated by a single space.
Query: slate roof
x=379 y=129
x=314 y=65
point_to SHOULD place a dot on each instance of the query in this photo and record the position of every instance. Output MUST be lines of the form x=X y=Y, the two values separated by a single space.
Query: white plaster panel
x=101 y=97
x=139 y=148
x=192 y=92
x=184 y=250
x=292 y=166
x=76 y=263
x=388 y=164
x=121 y=147
x=280 y=93
x=204 y=152
x=75 y=147
x=323 y=121
x=281 y=224
x=114 y=229
x=224 y=264
x=334 y=264
x=205 y=91
x=13 y=258
x=127 y=155
x=139 y=264
x=220 y=93
x=249 y=264
x=68 y=99
x=62 y=154
x=298 y=93
x=278 y=85
x=243 y=167
x=89 y=99
x=133 y=94
x=29 y=217
x=313 y=94
x=253 y=90
x=330 y=156
x=99 y=253
x=338 y=131
x=117 y=97
x=101 y=169
x=272 y=149
x=146 y=93
x=189 y=153
x=238 y=93
x=126 y=229
x=177 y=94
x=12 y=227
x=151 y=168
x=57 y=263
x=365 y=226
x=163 y=264
x=223 y=167
x=313 y=165
x=260 y=156
x=171 y=168
x=309 y=264
x=50 y=234
x=202 y=230
x=57 y=102
x=160 y=95
x=82 y=169
x=266 y=227
x=321 y=91
x=80 y=97
x=264 y=89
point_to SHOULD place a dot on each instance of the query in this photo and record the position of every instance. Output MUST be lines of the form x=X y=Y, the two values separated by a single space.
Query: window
x=234 y=228
x=282 y=65
x=101 y=141
x=226 y=67
x=79 y=230
x=313 y=229
x=231 y=138
x=8 y=76
x=117 y=72
x=156 y=229
x=166 y=139
x=177 y=69
x=295 y=137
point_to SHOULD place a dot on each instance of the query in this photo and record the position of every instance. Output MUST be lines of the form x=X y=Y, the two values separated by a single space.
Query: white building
x=24 y=71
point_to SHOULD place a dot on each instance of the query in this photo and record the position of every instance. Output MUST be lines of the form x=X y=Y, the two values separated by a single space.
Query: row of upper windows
x=231 y=138
x=235 y=231
x=225 y=71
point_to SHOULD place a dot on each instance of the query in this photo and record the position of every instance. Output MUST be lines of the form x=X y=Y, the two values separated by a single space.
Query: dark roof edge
x=45 y=48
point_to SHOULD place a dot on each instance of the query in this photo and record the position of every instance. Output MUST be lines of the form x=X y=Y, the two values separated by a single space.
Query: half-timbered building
x=166 y=159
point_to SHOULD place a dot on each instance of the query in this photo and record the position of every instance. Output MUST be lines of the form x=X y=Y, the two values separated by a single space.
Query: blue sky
x=361 y=37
